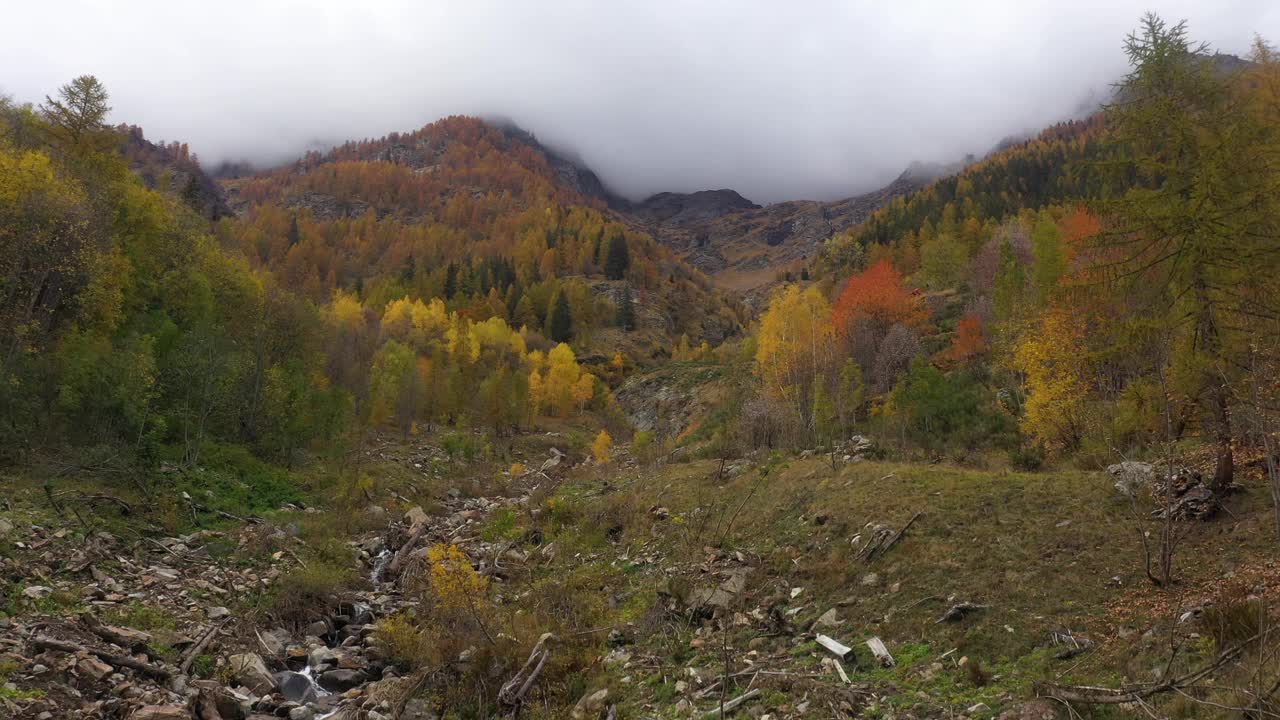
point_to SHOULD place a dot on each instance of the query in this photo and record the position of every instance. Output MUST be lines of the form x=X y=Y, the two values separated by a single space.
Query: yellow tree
x=794 y=346
x=1053 y=357
x=601 y=447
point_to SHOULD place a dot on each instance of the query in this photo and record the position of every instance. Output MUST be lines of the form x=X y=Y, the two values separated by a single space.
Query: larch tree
x=1196 y=240
x=79 y=114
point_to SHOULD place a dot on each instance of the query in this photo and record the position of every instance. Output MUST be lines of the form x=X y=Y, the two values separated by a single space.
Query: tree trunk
x=1225 y=470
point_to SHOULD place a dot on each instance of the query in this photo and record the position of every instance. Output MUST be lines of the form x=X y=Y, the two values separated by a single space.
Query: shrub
x=1027 y=457
x=307 y=593
x=1234 y=617
x=463 y=445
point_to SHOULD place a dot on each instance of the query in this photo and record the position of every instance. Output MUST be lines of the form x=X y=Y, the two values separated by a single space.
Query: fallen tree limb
x=44 y=642
x=959 y=611
x=733 y=704
x=192 y=652
x=134 y=641
x=1091 y=695
x=876 y=551
x=514 y=690
x=403 y=553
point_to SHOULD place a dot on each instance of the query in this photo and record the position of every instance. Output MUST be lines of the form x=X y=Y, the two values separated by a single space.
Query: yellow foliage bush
x=453 y=581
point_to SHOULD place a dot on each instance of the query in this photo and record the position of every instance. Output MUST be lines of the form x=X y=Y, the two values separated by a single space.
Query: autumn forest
x=461 y=435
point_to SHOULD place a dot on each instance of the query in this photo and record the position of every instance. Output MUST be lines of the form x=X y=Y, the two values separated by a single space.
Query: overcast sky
x=778 y=99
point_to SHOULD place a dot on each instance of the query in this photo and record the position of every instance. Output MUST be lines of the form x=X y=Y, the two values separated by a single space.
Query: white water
x=379 y=564
x=311 y=678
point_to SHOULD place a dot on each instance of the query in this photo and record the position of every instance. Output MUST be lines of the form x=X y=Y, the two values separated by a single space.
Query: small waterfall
x=311 y=678
x=379 y=565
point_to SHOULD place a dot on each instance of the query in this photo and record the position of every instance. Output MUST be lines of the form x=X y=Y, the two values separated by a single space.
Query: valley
x=437 y=426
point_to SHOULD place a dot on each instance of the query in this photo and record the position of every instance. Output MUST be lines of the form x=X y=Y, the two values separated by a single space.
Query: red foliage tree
x=877 y=297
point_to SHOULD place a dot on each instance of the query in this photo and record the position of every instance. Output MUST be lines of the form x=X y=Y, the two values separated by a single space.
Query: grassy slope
x=1040 y=549
x=1047 y=552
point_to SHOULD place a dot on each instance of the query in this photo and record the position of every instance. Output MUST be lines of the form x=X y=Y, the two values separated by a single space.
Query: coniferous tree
x=626 y=316
x=294 y=236
x=560 y=322
x=80 y=111
x=617 y=260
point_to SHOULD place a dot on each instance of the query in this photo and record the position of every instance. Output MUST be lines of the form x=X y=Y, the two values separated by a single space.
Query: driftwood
x=959 y=611
x=44 y=642
x=881 y=652
x=514 y=690
x=733 y=704
x=1090 y=695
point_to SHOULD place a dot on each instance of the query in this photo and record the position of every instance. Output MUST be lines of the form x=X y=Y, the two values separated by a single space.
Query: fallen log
x=403 y=553
x=733 y=704
x=44 y=642
x=134 y=641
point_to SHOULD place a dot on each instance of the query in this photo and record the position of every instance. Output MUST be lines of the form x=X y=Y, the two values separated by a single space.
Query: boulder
x=248 y=671
x=215 y=701
x=323 y=658
x=277 y=641
x=416 y=516
x=590 y=705
x=94 y=669
x=296 y=687
x=341 y=680
x=1131 y=476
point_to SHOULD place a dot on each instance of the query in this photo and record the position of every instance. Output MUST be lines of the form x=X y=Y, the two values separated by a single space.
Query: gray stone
x=296 y=687
x=341 y=680
x=248 y=671
x=1131 y=476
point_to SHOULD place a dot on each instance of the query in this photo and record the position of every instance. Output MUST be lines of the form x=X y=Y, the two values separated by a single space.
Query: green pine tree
x=559 y=321
x=626 y=316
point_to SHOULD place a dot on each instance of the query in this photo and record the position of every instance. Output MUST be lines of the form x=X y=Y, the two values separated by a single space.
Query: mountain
x=174 y=169
x=744 y=246
x=481 y=215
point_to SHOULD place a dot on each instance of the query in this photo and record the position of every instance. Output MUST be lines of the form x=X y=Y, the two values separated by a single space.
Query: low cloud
x=776 y=100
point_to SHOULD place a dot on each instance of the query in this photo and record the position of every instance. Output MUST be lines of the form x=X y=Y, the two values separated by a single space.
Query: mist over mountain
x=820 y=100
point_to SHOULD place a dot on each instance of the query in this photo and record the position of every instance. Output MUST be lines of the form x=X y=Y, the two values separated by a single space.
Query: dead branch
x=959 y=611
x=1091 y=695
x=43 y=642
x=403 y=553
x=514 y=690
x=135 y=641
x=733 y=704
x=874 y=551
x=190 y=655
